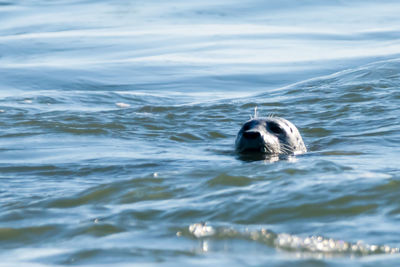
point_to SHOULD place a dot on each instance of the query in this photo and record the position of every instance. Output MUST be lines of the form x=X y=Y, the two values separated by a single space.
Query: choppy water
x=118 y=120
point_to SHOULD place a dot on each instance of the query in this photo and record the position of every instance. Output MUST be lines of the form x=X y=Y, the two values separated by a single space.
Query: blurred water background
x=118 y=119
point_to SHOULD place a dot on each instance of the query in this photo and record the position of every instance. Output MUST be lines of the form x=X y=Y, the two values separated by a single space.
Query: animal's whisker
x=255 y=116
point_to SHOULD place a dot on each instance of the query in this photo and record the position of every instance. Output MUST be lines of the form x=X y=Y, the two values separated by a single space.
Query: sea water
x=118 y=121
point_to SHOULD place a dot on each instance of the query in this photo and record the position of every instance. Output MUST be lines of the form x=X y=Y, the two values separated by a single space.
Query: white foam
x=289 y=242
x=122 y=105
x=201 y=230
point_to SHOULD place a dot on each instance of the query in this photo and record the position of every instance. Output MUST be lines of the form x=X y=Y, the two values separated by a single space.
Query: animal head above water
x=270 y=136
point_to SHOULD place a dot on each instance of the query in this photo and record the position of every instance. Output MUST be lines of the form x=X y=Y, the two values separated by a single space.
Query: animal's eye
x=275 y=128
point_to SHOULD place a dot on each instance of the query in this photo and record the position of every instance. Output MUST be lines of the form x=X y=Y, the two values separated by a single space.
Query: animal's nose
x=251 y=135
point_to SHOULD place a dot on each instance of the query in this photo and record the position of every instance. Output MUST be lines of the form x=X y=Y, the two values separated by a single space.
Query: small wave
x=320 y=245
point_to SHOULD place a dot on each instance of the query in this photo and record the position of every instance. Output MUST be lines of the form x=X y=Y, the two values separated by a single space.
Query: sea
x=118 y=122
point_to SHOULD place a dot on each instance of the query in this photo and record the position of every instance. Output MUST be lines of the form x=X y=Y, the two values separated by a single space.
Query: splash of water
x=292 y=243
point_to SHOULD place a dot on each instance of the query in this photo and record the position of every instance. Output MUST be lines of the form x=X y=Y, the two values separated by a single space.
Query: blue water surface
x=118 y=121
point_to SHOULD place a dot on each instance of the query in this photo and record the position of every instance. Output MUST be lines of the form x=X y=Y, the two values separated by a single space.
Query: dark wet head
x=269 y=136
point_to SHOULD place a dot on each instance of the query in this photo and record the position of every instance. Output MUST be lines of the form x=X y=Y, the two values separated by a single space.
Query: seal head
x=271 y=136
